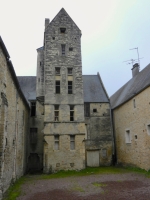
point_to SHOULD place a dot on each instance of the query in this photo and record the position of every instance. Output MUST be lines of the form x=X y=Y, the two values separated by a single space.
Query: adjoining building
x=14 y=115
x=131 y=120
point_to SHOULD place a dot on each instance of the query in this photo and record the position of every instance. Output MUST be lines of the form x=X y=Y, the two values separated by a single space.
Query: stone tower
x=59 y=81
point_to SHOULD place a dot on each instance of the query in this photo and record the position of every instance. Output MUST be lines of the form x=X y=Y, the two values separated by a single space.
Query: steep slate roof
x=131 y=88
x=93 y=88
x=28 y=86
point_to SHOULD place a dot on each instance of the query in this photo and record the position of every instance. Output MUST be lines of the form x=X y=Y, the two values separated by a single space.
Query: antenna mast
x=137 y=54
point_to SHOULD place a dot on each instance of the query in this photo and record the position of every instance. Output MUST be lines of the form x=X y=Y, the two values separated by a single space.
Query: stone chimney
x=46 y=22
x=135 y=69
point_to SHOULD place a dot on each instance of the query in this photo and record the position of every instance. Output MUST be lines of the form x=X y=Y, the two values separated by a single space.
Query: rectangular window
x=56 y=113
x=72 y=142
x=70 y=48
x=57 y=87
x=94 y=110
x=69 y=87
x=71 y=113
x=128 y=136
x=56 y=142
x=33 y=135
x=33 y=108
x=57 y=71
x=62 y=30
x=87 y=110
x=63 y=49
x=69 y=71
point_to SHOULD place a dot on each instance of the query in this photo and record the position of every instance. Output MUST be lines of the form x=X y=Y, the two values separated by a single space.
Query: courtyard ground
x=91 y=184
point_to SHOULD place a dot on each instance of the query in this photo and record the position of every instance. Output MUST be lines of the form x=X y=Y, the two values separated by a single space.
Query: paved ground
x=125 y=186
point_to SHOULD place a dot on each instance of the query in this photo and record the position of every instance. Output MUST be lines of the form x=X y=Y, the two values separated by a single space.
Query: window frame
x=70 y=71
x=56 y=113
x=71 y=113
x=72 y=142
x=56 y=142
x=32 y=108
x=63 y=49
x=70 y=87
x=128 y=138
x=57 y=71
x=57 y=87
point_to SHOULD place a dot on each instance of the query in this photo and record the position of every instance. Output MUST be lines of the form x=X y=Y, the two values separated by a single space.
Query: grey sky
x=109 y=29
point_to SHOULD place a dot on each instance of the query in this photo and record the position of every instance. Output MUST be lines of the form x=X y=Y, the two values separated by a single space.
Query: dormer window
x=62 y=30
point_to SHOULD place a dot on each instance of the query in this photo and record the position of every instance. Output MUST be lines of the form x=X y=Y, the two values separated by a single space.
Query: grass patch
x=85 y=172
x=99 y=184
x=77 y=188
x=15 y=190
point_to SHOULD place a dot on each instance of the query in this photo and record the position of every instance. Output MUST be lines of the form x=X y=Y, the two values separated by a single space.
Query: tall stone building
x=71 y=127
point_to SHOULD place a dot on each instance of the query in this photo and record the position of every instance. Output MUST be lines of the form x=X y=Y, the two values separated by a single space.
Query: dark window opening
x=70 y=48
x=53 y=38
x=33 y=109
x=6 y=142
x=136 y=137
x=63 y=49
x=69 y=71
x=57 y=87
x=62 y=30
x=33 y=135
x=71 y=113
x=87 y=110
x=57 y=70
x=69 y=87
x=40 y=63
x=56 y=113
x=94 y=110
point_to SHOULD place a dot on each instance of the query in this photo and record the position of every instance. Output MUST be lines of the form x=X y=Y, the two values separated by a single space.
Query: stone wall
x=13 y=125
x=99 y=133
x=131 y=125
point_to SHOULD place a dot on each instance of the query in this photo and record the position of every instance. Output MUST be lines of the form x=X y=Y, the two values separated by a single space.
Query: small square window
x=128 y=136
x=69 y=71
x=62 y=30
x=94 y=110
x=70 y=48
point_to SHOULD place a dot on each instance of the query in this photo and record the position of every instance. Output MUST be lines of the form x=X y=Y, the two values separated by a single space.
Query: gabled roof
x=93 y=89
x=133 y=87
x=28 y=86
x=62 y=11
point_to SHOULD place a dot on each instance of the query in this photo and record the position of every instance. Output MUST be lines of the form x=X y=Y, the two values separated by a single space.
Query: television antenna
x=137 y=54
x=132 y=61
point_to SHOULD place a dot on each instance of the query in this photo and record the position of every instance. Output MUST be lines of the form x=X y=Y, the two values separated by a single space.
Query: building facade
x=131 y=119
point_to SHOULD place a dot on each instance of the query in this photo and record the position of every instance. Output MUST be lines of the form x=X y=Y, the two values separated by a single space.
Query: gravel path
x=94 y=187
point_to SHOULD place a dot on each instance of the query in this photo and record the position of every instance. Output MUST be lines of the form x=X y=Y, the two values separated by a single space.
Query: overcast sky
x=109 y=29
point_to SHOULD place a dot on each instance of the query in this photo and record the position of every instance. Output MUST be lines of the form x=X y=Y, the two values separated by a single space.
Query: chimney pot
x=135 y=69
